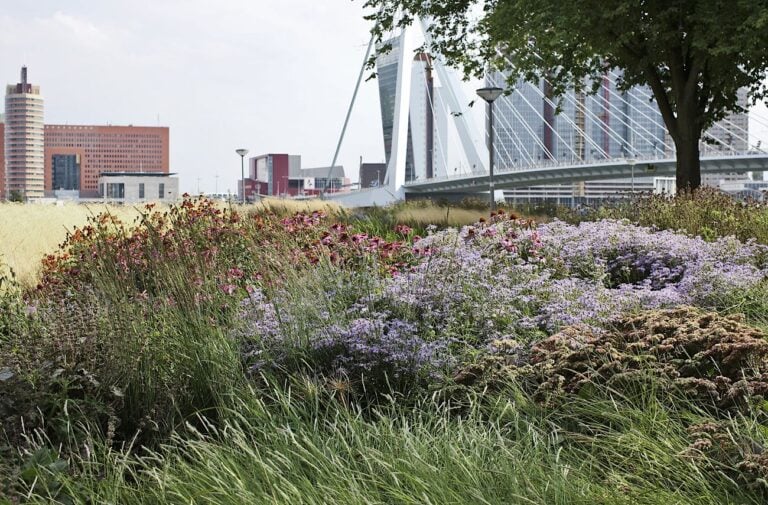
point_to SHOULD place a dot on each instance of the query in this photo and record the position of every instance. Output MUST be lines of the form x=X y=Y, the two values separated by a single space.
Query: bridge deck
x=596 y=170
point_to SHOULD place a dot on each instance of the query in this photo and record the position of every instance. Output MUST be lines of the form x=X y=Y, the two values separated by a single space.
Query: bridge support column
x=398 y=154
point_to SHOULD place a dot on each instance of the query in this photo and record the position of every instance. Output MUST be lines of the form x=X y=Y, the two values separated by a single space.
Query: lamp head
x=242 y=152
x=490 y=94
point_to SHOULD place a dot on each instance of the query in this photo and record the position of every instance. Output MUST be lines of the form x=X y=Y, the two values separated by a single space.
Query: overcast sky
x=268 y=75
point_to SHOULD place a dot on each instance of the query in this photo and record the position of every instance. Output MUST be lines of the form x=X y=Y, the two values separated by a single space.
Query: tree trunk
x=688 y=176
x=687 y=144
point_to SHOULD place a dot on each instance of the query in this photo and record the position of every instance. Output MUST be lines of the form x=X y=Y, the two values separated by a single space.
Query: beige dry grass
x=424 y=215
x=29 y=232
x=281 y=206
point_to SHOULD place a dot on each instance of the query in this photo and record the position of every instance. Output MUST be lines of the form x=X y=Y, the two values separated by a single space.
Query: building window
x=115 y=190
x=141 y=190
x=161 y=190
x=66 y=171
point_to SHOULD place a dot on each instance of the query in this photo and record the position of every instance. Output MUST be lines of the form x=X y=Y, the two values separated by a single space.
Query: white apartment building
x=24 y=140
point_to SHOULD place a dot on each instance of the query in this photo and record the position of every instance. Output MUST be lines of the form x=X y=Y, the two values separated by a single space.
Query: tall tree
x=694 y=54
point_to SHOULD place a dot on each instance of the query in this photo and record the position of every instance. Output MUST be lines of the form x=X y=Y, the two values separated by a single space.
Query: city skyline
x=43 y=160
x=266 y=76
x=224 y=76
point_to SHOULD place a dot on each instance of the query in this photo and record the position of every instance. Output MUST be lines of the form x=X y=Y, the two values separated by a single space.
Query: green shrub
x=707 y=213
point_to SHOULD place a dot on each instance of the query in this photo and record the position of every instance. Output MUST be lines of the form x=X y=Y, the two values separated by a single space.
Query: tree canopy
x=695 y=55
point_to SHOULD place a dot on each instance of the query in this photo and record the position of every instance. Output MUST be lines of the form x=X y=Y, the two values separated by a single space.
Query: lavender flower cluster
x=511 y=279
x=381 y=349
x=359 y=343
x=630 y=257
x=505 y=281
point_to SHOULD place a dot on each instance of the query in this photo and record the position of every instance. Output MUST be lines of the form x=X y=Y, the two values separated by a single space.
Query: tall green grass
x=302 y=446
x=707 y=213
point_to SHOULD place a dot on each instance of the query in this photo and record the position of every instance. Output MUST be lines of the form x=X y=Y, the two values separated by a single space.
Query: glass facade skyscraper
x=532 y=126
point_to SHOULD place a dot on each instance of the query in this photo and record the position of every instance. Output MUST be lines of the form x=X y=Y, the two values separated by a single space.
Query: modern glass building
x=532 y=126
x=531 y=129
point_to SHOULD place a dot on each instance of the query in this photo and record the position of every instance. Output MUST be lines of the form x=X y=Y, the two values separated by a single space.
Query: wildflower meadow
x=211 y=354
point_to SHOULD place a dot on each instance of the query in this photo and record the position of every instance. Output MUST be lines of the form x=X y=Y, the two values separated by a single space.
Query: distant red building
x=42 y=158
x=282 y=175
x=76 y=155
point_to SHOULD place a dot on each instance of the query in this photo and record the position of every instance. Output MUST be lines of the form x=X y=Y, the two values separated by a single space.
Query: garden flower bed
x=326 y=359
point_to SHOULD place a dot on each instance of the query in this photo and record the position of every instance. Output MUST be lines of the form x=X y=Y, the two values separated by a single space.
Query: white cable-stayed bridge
x=539 y=141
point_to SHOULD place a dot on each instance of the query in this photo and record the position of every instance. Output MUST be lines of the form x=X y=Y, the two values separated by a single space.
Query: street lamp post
x=490 y=95
x=631 y=162
x=242 y=153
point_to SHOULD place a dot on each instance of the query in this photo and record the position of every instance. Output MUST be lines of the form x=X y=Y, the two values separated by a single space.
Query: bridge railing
x=548 y=164
x=545 y=164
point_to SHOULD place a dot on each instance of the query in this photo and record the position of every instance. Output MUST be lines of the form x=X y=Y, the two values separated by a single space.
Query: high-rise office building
x=75 y=155
x=608 y=124
x=24 y=140
x=387 y=68
x=730 y=134
x=530 y=130
x=427 y=148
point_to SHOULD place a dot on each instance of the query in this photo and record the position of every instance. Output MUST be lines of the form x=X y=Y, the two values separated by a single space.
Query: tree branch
x=662 y=99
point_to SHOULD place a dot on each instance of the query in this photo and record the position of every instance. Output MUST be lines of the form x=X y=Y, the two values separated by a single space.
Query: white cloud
x=75 y=28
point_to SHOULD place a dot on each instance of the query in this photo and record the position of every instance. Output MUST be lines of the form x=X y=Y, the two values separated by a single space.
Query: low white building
x=665 y=186
x=753 y=190
x=134 y=187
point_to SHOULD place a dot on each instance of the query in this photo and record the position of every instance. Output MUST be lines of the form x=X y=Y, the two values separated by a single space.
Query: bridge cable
x=640 y=111
x=607 y=129
x=349 y=113
x=519 y=145
x=498 y=140
x=523 y=123
x=540 y=116
x=572 y=123
x=708 y=132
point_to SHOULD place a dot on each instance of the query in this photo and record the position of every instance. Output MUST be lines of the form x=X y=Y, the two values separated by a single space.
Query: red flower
x=403 y=229
x=228 y=289
x=235 y=273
